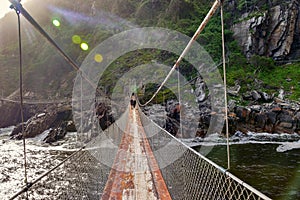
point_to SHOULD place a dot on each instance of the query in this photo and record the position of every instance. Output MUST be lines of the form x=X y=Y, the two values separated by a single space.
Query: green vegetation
x=251 y=5
x=273 y=77
x=42 y=63
x=285 y=77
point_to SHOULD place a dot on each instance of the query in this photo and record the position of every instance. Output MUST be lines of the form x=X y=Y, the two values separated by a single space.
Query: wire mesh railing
x=188 y=174
x=80 y=177
x=83 y=173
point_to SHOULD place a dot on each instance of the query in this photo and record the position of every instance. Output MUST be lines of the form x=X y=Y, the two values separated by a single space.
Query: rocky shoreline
x=58 y=119
x=275 y=116
x=264 y=113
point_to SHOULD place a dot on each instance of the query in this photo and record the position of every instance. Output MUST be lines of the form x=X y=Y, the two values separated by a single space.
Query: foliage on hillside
x=46 y=71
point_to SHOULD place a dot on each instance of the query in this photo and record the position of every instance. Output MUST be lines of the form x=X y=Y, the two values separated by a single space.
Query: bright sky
x=4 y=7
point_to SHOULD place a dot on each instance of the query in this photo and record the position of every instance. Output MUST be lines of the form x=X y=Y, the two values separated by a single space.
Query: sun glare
x=4 y=7
x=84 y=46
x=56 y=22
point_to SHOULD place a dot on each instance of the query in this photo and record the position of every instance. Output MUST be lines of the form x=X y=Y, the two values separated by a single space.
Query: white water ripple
x=286 y=142
x=40 y=158
x=288 y=146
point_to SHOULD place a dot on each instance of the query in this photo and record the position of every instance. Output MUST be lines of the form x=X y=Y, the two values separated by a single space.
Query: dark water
x=276 y=174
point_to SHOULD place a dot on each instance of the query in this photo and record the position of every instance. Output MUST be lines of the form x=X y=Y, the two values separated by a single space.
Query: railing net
x=192 y=176
x=188 y=177
x=83 y=176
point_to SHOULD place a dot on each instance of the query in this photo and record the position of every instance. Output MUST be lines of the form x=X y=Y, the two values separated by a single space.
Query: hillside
x=261 y=38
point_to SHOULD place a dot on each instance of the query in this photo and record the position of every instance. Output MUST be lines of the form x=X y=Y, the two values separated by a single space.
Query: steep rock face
x=10 y=113
x=272 y=33
x=295 y=51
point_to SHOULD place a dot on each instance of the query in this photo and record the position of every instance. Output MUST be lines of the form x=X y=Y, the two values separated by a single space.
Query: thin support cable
x=81 y=107
x=21 y=100
x=179 y=99
x=225 y=88
x=187 y=48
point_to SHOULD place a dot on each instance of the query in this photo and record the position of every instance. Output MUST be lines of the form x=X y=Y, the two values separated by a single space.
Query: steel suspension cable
x=81 y=110
x=193 y=39
x=21 y=99
x=225 y=87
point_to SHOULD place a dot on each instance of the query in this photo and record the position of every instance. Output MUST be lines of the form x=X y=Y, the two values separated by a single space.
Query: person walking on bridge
x=132 y=101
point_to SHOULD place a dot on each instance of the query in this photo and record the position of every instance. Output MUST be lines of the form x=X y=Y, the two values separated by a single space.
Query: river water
x=40 y=158
x=272 y=167
x=270 y=163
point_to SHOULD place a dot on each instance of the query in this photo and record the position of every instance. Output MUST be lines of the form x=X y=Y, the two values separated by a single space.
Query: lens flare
x=76 y=39
x=84 y=46
x=98 y=58
x=56 y=22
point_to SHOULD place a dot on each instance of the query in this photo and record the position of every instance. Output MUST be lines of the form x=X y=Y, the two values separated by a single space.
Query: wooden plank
x=135 y=173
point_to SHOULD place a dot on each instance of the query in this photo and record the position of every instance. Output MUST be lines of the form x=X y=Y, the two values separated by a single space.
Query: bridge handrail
x=216 y=166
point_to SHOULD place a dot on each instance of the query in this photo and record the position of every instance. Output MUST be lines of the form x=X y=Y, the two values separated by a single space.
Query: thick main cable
x=195 y=36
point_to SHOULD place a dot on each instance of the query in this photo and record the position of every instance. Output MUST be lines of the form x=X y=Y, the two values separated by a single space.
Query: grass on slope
x=286 y=77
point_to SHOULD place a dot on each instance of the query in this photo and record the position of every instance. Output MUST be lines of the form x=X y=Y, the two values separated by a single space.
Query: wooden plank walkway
x=135 y=174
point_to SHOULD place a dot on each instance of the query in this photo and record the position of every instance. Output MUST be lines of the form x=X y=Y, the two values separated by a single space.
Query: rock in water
x=17 y=130
x=71 y=126
x=57 y=133
x=43 y=121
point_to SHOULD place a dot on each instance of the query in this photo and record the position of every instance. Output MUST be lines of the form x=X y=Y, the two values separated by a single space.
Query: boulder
x=285 y=122
x=265 y=97
x=234 y=91
x=255 y=95
x=297 y=122
x=56 y=134
x=283 y=117
x=242 y=114
x=258 y=96
x=281 y=94
x=43 y=121
x=104 y=115
x=17 y=129
x=200 y=90
x=271 y=118
x=71 y=126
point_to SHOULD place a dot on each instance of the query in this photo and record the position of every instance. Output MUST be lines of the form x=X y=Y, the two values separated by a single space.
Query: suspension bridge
x=134 y=158
x=139 y=168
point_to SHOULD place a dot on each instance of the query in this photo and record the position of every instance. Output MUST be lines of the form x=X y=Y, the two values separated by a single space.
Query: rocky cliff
x=272 y=30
